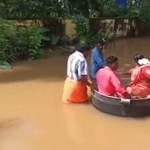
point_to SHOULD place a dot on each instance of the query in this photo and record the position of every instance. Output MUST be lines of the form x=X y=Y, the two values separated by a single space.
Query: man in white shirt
x=75 y=88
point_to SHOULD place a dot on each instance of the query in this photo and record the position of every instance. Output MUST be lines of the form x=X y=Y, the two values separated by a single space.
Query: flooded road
x=33 y=117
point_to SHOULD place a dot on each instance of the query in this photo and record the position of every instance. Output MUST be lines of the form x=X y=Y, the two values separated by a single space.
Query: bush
x=83 y=32
x=20 y=42
x=82 y=28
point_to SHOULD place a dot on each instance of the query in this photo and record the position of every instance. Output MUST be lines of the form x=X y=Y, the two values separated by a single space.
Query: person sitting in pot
x=107 y=81
x=139 y=87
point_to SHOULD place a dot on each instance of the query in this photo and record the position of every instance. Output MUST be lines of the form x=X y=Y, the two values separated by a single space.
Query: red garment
x=108 y=82
x=140 y=82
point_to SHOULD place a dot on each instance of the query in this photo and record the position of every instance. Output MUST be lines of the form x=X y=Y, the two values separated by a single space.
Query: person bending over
x=75 y=87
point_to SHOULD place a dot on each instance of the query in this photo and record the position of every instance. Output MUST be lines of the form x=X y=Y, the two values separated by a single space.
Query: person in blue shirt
x=97 y=59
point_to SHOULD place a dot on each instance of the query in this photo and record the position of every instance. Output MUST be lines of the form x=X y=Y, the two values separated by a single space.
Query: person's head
x=137 y=57
x=99 y=45
x=112 y=62
x=84 y=49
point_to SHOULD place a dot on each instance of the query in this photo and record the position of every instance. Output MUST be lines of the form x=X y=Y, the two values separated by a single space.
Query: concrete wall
x=121 y=27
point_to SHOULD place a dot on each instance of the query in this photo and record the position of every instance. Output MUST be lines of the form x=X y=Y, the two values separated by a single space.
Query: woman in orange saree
x=139 y=87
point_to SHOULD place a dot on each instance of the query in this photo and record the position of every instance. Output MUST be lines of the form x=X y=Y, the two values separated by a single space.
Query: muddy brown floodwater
x=33 y=117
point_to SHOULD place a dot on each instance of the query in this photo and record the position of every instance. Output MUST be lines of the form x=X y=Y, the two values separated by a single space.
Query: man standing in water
x=97 y=60
x=75 y=88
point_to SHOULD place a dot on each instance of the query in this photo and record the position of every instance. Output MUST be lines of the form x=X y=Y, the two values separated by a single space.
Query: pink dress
x=108 y=83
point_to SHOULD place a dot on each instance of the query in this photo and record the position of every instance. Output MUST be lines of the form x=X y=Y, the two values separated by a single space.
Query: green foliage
x=73 y=8
x=30 y=38
x=78 y=7
x=106 y=37
x=111 y=9
x=82 y=28
x=20 y=42
x=5 y=65
x=54 y=39
x=25 y=42
x=144 y=18
x=83 y=32
x=34 y=8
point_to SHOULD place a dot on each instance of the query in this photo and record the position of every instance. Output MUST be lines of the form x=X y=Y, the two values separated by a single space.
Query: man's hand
x=91 y=78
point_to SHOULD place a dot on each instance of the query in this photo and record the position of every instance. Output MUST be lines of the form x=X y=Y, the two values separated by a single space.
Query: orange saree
x=140 y=82
x=74 y=91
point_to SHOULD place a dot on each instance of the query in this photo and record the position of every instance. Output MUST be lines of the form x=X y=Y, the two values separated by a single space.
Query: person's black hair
x=99 y=42
x=82 y=47
x=137 y=57
x=111 y=59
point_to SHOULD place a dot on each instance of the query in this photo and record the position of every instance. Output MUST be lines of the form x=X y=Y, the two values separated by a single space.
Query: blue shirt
x=97 y=61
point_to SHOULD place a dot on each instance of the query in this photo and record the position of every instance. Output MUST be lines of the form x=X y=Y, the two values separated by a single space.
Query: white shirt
x=77 y=66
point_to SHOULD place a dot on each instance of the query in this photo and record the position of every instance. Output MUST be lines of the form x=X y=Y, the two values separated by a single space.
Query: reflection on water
x=33 y=116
